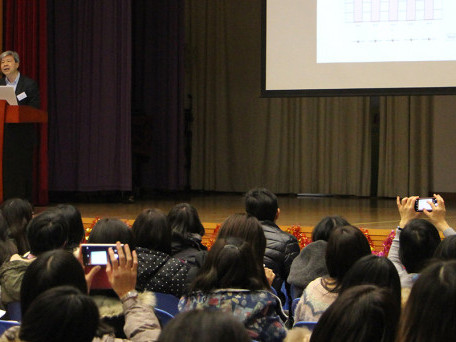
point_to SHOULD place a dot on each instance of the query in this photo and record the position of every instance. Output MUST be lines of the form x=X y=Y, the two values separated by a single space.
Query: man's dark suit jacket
x=30 y=88
x=19 y=142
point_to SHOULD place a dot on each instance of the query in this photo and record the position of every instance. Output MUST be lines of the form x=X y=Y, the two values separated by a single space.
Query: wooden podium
x=17 y=115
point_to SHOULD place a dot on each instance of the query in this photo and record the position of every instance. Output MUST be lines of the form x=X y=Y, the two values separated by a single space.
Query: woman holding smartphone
x=58 y=268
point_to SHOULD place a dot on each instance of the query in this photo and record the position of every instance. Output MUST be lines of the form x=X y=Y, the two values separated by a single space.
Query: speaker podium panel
x=18 y=137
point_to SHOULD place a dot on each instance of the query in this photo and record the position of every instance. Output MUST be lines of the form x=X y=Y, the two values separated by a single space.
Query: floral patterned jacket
x=260 y=311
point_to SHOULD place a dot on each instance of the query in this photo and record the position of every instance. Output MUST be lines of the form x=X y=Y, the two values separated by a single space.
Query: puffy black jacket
x=158 y=272
x=281 y=249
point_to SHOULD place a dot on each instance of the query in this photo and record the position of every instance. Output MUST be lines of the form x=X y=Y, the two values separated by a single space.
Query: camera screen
x=99 y=258
x=97 y=254
x=423 y=204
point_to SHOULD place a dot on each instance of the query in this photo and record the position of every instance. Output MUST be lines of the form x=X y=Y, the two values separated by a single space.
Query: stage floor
x=370 y=213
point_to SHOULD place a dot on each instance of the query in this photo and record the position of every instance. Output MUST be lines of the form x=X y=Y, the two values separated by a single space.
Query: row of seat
x=165 y=309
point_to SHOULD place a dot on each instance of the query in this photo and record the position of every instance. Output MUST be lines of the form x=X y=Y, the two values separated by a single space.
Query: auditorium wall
x=308 y=145
x=444 y=145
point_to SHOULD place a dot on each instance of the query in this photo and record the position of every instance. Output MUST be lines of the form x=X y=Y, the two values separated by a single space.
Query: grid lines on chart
x=361 y=11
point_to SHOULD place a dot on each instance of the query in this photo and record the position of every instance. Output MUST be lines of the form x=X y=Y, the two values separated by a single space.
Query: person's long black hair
x=230 y=264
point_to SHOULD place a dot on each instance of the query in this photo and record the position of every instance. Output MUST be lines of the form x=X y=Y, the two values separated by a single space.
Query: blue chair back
x=14 y=311
x=304 y=324
x=5 y=325
x=167 y=302
x=163 y=316
x=274 y=290
x=293 y=306
x=286 y=305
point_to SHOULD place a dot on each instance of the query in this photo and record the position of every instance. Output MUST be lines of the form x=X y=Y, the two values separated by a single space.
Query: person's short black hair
x=362 y=313
x=47 y=231
x=151 y=231
x=204 y=326
x=51 y=269
x=262 y=204
x=60 y=314
x=417 y=244
x=324 y=228
x=17 y=210
x=345 y=246
x=111 y=230
x=183 y=219
x=374 y=270
x=446 y=250
x=76 y=228
x=230 y=264
x=430 y=311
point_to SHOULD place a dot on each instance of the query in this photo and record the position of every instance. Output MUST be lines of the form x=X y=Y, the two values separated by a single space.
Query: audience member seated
x=204 y=326
x=231 y=281
x=345 y=246
x=45 y=232
x=7 y=246
x=108 y=231
x=416 y=239
x=430 y=312
x=249 y=229
x=310 y=263
x=446 y=250
x=59 y=314
x=187 y=233
x=281 y=247
x=373 y=270
x=18 y=213
x=111 y=230
x=364 y=313
x=76 y=230
x=53 y=269
x=157 y=270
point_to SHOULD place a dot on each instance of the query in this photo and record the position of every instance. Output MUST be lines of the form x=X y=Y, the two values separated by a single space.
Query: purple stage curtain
x=158 y=87
x=89 y=95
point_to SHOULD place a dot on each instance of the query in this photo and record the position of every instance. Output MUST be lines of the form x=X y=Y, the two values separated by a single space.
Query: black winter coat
x=159 y=272
x=281 y=249
x=190 y=249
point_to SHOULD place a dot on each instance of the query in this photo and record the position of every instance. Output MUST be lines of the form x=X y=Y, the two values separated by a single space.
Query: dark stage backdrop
x=114 y=63
x=159 y=160
x=108 y=64
x=90 y=95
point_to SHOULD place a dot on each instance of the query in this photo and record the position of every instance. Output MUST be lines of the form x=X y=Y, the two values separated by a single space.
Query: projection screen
x=358 y=47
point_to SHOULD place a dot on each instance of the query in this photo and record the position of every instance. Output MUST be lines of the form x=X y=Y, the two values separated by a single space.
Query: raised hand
x=91 y=274
x=270 y=275
x=122 y=272
x=406 y=207
x=438 y=214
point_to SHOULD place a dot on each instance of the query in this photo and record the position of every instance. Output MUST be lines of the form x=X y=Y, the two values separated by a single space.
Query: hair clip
x=231 y=246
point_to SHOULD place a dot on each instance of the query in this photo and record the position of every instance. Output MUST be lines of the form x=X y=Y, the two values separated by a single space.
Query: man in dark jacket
x=281 y=247
x=26 y=89
x=19 y=140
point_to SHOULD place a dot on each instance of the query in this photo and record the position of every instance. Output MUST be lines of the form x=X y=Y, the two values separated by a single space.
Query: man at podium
x=19 y=140
x=26 y=89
